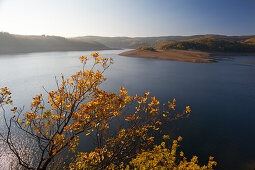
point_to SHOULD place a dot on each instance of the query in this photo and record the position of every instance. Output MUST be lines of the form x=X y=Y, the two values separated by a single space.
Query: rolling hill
x=129 y=42
x=212 y=44
x=11 y=44
x=250 y=40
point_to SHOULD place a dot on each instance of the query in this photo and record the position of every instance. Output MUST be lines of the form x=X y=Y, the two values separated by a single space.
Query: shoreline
x=182 y=55
x=50 y=51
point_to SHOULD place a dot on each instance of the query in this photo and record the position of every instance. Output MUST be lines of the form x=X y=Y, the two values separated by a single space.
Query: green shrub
x=146 y=48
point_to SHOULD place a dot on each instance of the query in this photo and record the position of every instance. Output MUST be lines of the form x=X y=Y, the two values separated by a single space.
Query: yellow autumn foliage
x=79 y=106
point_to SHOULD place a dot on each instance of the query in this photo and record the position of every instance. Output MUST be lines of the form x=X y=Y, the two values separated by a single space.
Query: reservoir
x=221 y=96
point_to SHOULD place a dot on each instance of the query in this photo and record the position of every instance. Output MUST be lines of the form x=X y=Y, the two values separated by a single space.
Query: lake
x=221 y=96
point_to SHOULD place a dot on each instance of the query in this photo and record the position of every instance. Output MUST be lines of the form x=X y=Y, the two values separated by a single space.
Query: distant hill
x=250 y=40
x=224 y=37
x=10 y=44
x=198 y=49
x=128 y=42
x=213 y=44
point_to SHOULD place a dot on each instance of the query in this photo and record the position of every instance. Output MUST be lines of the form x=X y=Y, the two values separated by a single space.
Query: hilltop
x=250 y=40
x=211 y=44
x=134 y=42
x=11 y=44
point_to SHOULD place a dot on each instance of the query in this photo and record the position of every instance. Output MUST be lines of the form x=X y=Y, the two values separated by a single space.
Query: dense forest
x=211 y=44
x=146 y=48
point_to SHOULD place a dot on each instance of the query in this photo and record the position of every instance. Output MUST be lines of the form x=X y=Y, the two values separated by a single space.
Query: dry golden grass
x=175 y=55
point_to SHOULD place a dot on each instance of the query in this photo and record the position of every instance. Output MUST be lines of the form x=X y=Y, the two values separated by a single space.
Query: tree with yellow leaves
x=79 y=107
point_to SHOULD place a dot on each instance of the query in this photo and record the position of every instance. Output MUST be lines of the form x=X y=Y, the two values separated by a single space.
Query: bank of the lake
x=181 y=55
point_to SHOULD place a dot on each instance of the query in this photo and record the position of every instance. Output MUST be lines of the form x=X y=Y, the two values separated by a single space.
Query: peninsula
x=175 y=55
x=207 y=49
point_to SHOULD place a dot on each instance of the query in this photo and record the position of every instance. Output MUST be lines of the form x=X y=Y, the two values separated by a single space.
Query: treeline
x=146 y=48
x=210 y=44
x=134 y=42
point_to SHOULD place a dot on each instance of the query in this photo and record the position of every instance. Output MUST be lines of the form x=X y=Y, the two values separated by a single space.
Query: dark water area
x=221 y=96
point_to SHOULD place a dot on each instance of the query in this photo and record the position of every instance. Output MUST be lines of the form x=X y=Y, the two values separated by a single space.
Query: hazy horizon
x=112 y=18
x=126 y=36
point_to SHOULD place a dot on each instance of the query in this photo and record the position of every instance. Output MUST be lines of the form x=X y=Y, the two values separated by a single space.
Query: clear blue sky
x=127 y=17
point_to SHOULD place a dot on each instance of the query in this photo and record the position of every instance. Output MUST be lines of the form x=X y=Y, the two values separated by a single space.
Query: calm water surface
x=221 y=95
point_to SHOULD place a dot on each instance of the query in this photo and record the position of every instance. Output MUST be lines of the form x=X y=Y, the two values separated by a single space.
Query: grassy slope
x=175 y=55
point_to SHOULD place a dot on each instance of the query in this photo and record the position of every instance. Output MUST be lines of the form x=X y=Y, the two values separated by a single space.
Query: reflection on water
x=7 y=160
x=24 y=146
x=221 y=96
